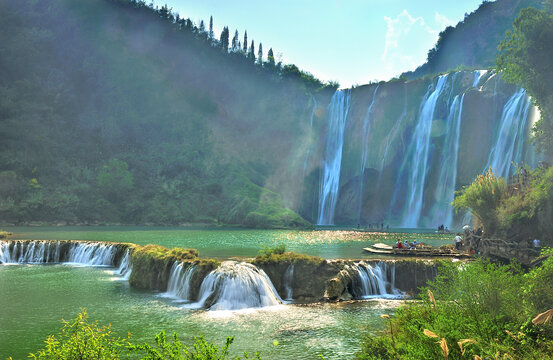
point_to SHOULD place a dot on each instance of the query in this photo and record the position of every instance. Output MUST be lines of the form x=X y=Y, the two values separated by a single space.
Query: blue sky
x=349 y=41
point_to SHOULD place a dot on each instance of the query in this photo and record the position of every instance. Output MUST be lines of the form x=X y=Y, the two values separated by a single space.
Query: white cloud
x=407 y=41
x=442 y=21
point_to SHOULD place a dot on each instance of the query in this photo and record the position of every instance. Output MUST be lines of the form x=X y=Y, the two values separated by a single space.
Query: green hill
x=113 y=112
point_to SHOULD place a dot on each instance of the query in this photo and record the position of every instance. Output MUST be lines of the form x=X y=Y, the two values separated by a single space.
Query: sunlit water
x=331 y=243
x=34 y=298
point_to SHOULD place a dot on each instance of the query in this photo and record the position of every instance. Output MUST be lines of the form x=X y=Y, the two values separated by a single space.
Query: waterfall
x=510 y=135
x=125 y=267
x=289 y=282
x=179 y=281
x=311 y=127
x=372 y=281
x=330 y=179
x=442 y=212
x=365 y=153
x=235 y=286
x=92 y=254
x=477 y=76
x=42 y=252
x=419 y=154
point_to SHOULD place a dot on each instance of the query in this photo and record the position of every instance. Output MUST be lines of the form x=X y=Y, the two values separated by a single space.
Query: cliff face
x=405 y=147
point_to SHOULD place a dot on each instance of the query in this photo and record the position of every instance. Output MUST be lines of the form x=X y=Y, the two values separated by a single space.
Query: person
x=458 y=241
x=447 y=230
x=415 y=243
x=536 y=243
x=399 y=244
x=406 y=244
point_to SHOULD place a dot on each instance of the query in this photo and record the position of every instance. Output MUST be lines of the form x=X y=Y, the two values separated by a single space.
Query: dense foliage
x=525 y=60
x=475 y=311
x=521 y=210
x=473 y=42
x=81 y=339
x=118 y=112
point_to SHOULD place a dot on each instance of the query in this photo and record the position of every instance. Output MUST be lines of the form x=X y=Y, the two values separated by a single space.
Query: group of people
x=406 y=244
x=443 y=229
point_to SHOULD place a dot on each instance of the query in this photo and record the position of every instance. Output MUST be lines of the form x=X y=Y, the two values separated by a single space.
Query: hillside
x=112 y=113
x=473 y=42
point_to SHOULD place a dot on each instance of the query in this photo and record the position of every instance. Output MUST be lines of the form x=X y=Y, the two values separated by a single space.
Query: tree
x=271 y=57
x=115 y=180
x=235 y=43
x=211 y=34
x=224 y=39
x=525 y=59
x=251 y=54
x=245 y=49
x=201 y=29
x=260 y=54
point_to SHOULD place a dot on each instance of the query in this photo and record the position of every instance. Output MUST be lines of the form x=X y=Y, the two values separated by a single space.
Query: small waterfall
x=477 y=76
x=288 y=282
x=372 y=281
x=419 y=155
x=179 y=281
x=42 y=252
x=442 y=212
x=125 y=267
x=365 y=152
x=330 y=179
x=92 y=254
x=235 y=286
x=509 y=139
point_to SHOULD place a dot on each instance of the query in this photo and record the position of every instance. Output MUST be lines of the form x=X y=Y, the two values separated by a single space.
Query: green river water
x=34 y=298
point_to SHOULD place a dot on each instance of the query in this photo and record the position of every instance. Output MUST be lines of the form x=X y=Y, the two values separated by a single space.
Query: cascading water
x=179 y=281
x=419 y=154
x=372 y=281
x=235 y=286
x=42 y=252
x=477 y=76
x=442 y=212
x=125 y=267
x=92 y=254
x=509 y=139
x=288 y=282
x=330 y=179
x=365 y=152
x=311 y=127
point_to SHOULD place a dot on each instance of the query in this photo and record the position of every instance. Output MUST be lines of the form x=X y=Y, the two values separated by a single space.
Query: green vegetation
x=475 y=311
x=5 y=234
x=81 y=339
x=524 y=59
x=279 y=255
x=137 y=121
x=473 y=42
x=522 y=210
x=483 y=197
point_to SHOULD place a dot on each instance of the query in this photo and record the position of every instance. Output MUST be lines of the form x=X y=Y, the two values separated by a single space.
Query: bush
x=482 y=198
x=81 y=339
x=474 y=309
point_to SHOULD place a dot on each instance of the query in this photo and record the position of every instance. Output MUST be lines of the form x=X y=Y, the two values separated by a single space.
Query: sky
x=353 y=42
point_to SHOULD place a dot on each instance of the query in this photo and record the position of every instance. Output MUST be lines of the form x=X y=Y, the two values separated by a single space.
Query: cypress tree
x=245 y=42
x=271 y=57
x=235 y=42
x=251 y=54
x=260 y=54
x=211 y=34
x=224 y=39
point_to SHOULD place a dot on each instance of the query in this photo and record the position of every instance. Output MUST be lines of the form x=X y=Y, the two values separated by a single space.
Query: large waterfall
x=418 y=155
x=374 y=281
x=396 y=152
x=235 y=286
x=510 y=135
x=330 y=179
